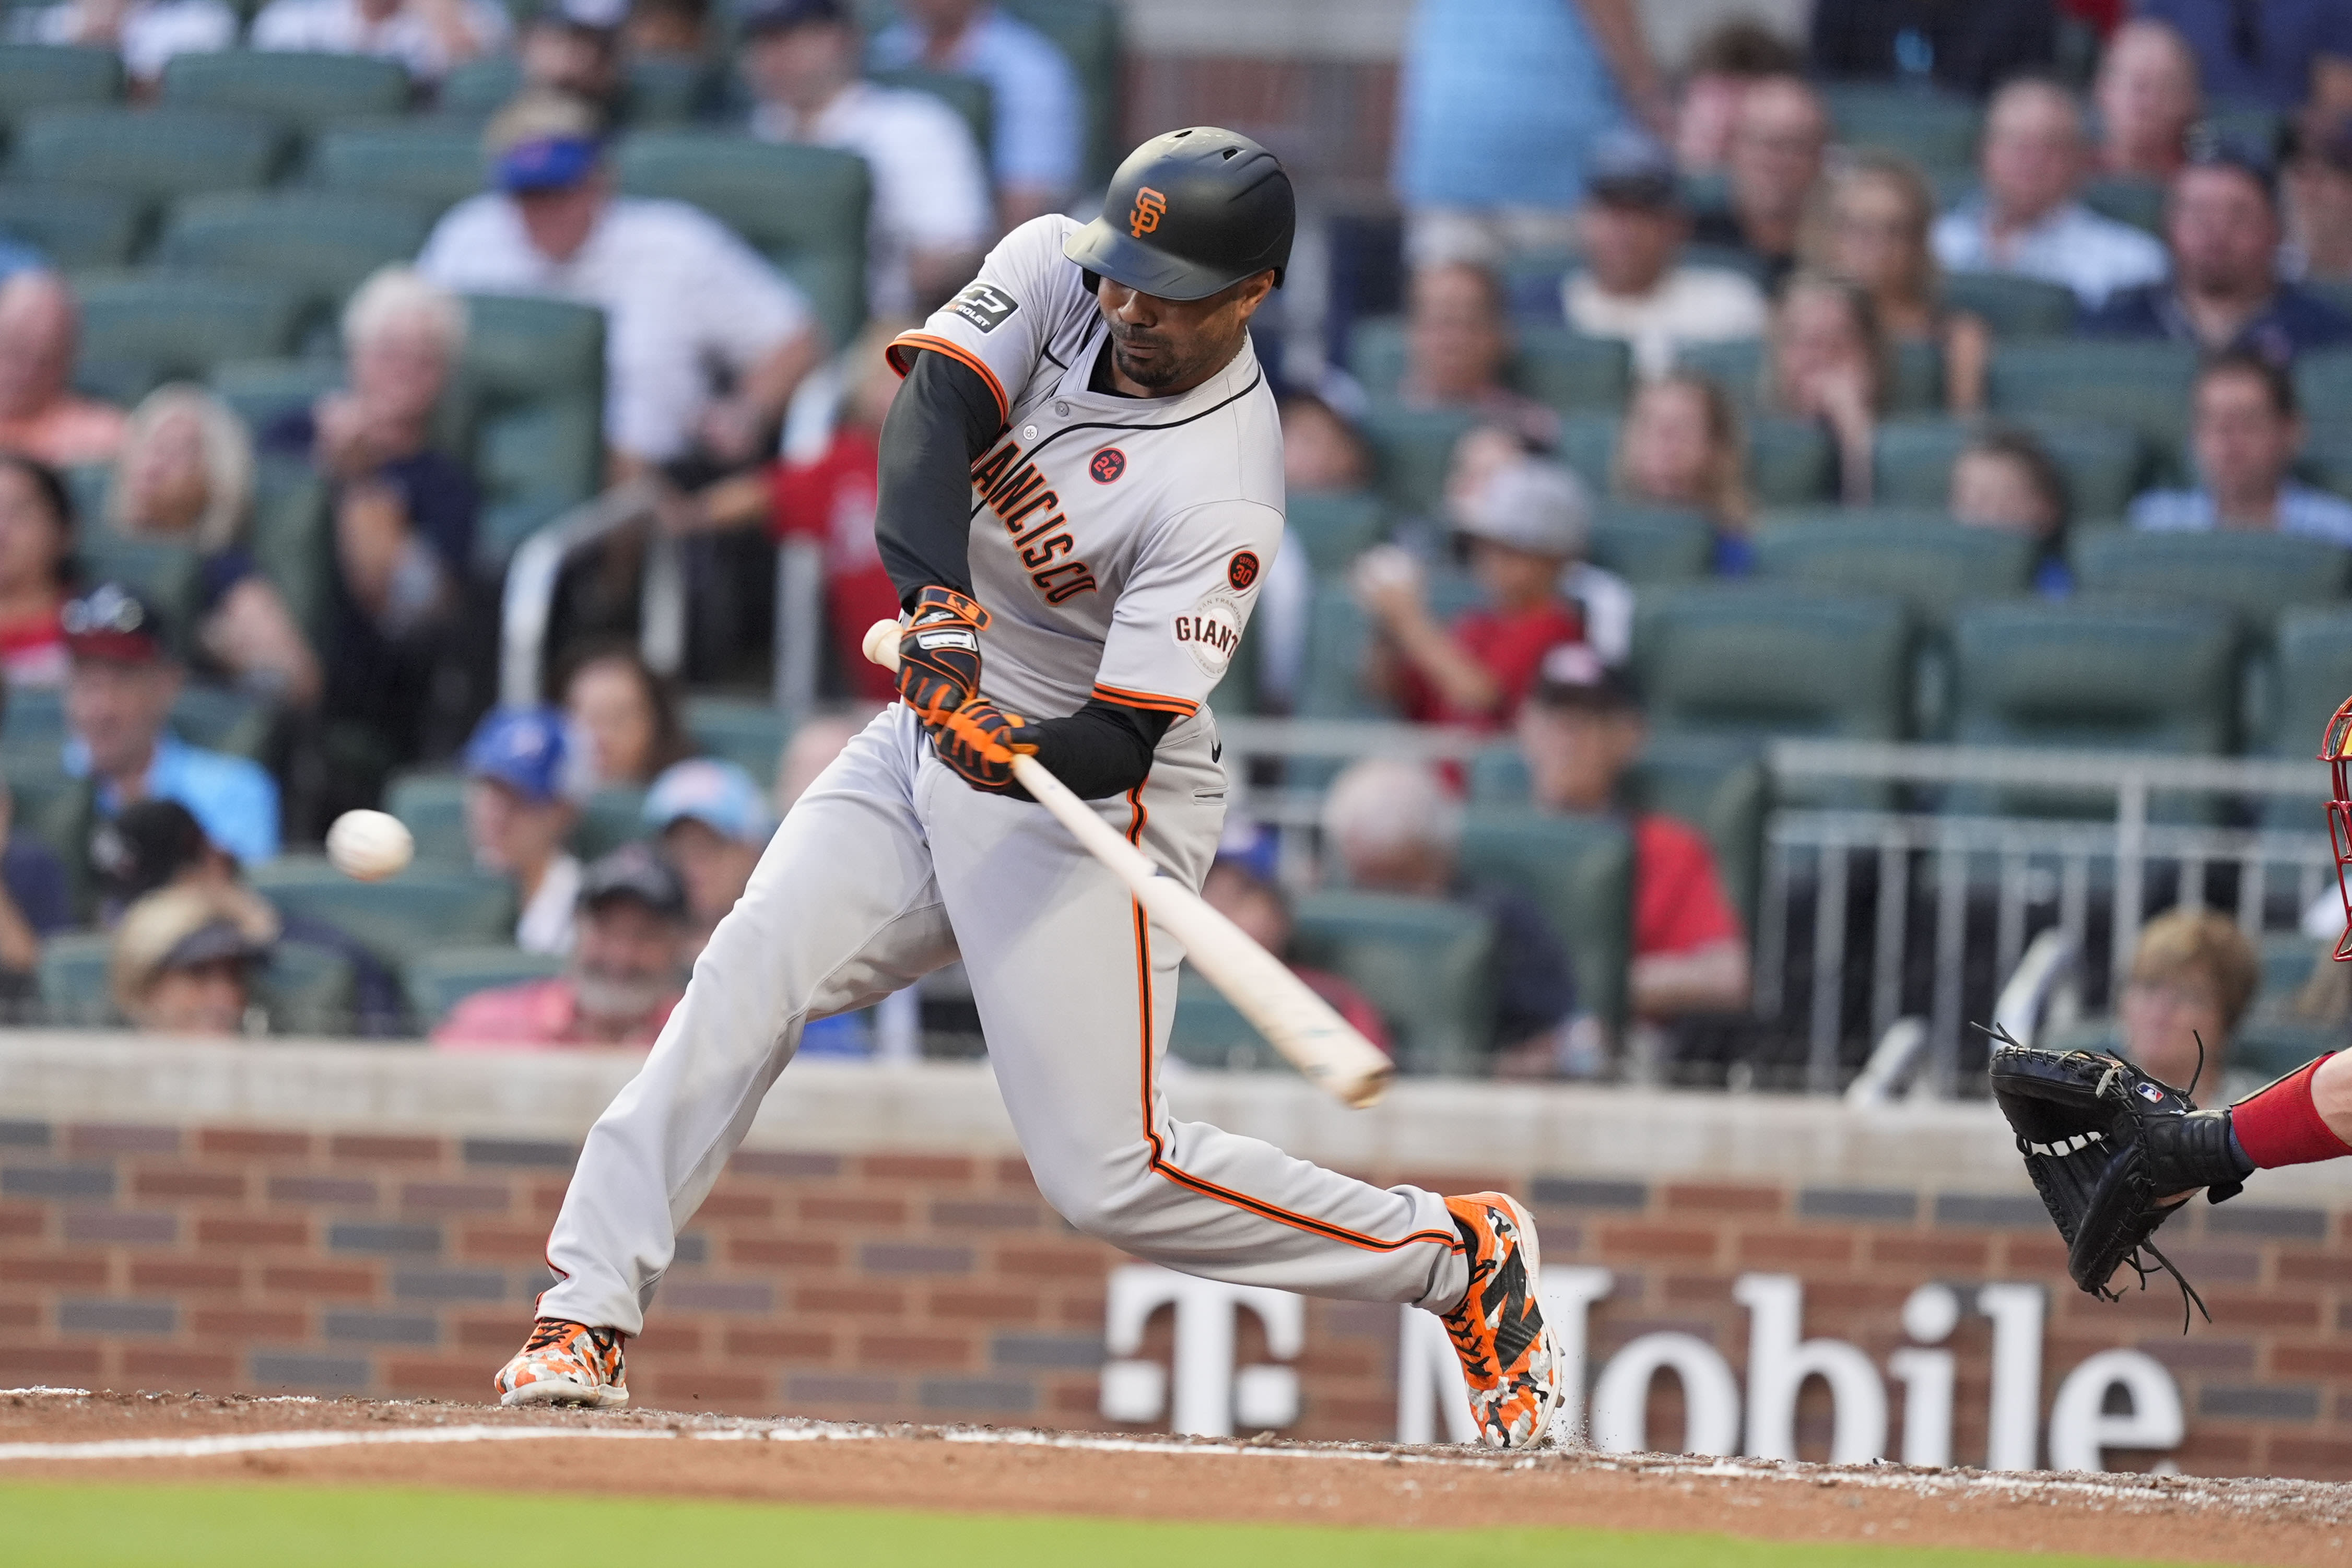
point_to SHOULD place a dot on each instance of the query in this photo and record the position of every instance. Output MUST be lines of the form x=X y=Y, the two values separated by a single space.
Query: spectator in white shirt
x=1039 y=124
x=1634 y=226
x=2028 y=220
x=681 y=293
x=146 y=32
x=931 y=217
x=428 y=36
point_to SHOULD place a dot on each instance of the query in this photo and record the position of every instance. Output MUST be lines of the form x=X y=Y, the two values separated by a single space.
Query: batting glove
x=979 y=742
x=938 y=653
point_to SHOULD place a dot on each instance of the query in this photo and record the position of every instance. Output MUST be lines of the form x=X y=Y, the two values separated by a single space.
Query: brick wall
x=903 y=1286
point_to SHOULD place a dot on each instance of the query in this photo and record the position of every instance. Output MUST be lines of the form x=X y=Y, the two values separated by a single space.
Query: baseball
x=369 y=845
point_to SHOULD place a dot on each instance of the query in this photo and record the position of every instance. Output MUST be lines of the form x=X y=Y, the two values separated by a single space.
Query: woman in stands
x=1870 y=227
x=35 y=556
x=186 y=477
x=1826 y=362
x=1682 y=445
x=2006 y=479
x=629 y=715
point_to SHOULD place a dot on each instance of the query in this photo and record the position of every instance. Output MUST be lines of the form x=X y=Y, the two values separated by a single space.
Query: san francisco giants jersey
x=1117 y=542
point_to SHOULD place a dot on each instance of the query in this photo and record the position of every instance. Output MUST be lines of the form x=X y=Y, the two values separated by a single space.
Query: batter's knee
x=1109 y=1205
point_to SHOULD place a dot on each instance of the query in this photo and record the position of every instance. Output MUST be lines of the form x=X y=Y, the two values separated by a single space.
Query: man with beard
x=624 y=975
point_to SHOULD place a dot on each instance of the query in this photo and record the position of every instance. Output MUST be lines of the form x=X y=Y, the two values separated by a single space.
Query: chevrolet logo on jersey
x=984 y=307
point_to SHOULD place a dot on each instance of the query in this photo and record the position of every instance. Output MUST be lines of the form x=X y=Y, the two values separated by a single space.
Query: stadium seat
x=2337 y=291
x=1414 y=448
x=1913 y=462
x=152 y=156
x=1915 y=554
x=1426 y=964
x=300 y=91
x=323 y=243
x=1333 y=684
x=1789 y=462
x=2128 y=676
x=72 y=980
x=612 y=817
x=225 y=718
x=750 y=734
x=304 y=989
x=1915 y=382
x=1335 y=528
x=666 y=90
x=967 y=95
x=1579 y=871
x=802 y=207
x=177 y=327
x=434 y=164
x=1646 y=544
x=431 y=804
x=263 y=391
x=74 y=228
x=168 y=573
x=439 y=978
x=2140 y=386
x=292 y=537
x=2322 y=383
x=46 y=75
x=2013 y=306
x=1748 y=660
x=478 y=89
x=1553 y=364
x=2267 y=1049
x=2326 y=459
x=35 y=718
x=2315 y=675
x=1089 y=32
x=2255 y=575
x=1735 y=364
x=533 y=375
x=1588 y=443
x=1210 y=1032
x=2288 y=958
x=1935 y=129
x=2139 y=203
x=423 y=907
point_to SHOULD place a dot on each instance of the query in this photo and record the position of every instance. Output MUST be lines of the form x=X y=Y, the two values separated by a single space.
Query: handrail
x=2107 y=772
x=529 y=601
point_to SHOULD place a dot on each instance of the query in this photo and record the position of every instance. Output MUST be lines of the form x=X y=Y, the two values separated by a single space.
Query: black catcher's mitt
x=2110 y=1149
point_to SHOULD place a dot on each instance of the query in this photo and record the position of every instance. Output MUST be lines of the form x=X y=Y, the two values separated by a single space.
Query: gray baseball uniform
x=1117 y=544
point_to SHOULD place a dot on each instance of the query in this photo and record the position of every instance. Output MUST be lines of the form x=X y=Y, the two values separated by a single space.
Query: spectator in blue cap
x=526 y=775
x=713 y=823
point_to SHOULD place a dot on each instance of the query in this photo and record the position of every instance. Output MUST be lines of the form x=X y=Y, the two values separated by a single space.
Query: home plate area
x=54 y=1441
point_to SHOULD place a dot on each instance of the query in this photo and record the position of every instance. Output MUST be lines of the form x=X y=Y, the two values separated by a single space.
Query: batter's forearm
x=1101 y=750
x=944 y=419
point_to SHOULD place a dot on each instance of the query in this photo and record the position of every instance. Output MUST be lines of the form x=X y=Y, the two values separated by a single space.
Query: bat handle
x=882 y=645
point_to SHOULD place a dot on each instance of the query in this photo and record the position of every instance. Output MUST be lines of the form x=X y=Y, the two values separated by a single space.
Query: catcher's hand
x=939 y=652
x=980 y=740
x=2113 y=1153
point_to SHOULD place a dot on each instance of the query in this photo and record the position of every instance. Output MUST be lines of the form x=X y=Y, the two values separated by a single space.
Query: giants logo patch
x=985 y=308
x=1241 y=570
x=1210 y=632
x=1107 y=465
x=1148 y=206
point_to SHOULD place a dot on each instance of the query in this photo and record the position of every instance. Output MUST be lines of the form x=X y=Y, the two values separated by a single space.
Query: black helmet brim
x=1100 y=247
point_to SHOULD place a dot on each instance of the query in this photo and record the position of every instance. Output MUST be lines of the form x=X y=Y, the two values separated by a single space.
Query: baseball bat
x=1296 y=1022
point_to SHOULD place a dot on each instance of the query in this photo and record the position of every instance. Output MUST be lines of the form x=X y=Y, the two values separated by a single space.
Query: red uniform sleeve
x=1679 y=905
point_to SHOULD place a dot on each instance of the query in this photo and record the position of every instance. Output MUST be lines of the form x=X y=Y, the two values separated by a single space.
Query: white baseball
x=369 y=845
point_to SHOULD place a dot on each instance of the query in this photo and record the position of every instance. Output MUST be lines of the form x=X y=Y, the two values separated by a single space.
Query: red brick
x=180 y=1368
x=2324 y=1458
x=1058 y=1262
x=21 y=1220
x=927 y=1351
x=855 y=1299
x=687 y=1386
x=736 y=1204
x=755 y=1251
x=918 y=1168
x=1001 y=1214
x=983 y=1306
x=1716 y=1198
x=225 y=1230
x=2300 y=1268
x=48 y=1360
x=80 y=1270
x=2247 y=1309
x=502 y=1243
x=865 y=1210
x=1796 y=1249
x=385 y=1149
x=780 y=1345
x=1013 y=1171
x=455 y=1378
x=150 y=1275
x=251 y=1140
x=247 y=1323
x=1940 y=1249
x=2311 y=1360
x=20 y=1314
x=341 y=1281
x=455 y=1197
x=504 y=1334
x=669 y=1337
x=182 y=1181
x=1664 y=1243
x=1832 y=1295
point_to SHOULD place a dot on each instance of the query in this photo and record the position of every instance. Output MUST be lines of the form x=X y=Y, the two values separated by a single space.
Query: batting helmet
x=1191 y=213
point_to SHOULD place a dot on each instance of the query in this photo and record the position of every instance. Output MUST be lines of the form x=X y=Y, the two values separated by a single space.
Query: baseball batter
x=1081 y=492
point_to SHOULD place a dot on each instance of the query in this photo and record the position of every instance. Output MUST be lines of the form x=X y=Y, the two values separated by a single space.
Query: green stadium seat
x=35 y=718
x=423 y=907
x=612 y=817
x=1426 y=964
x=1932 y=128
x=2140 y=386
x=35 y=76
x=1933 y=565
x=1579 y=871
x=432 y=805
x=533 y=375
x=967 y=95
x=1588 y=443
x=2257 y=576
x=1747 y=660
x=176 y=327
x=439 y=979
x=1911 y=460
x=2266 y=1048
x=1647 y=544
x=74 y=228
x=2315 y=675
x=1789 y=462
x=323 y=243
x=298 y=89
x=1089 y=32
x=2322 y=383
x=666 y=90
x=224 y=718
x=2013 y=306
x=1210 y=1032
x=2288 y=958
x=480 y=89
x=168 y=573
x=72 y=980
x=1413 y=448
x=802 y=207
x=153 y=154
x=2139 y=203
x=747 y=732
x=263 y=391
x=2337 y=291
x=1552 y=364
x=1737 y=364
x=304 y=989
x=434 y=164
x=292 y=537
x=1915 y=382
x=2126 y=676
x=1333 y=684
x=2326 y=459
x=1335 y=530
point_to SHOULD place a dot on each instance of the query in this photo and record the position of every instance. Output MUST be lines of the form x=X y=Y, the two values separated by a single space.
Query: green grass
x=351 y=1527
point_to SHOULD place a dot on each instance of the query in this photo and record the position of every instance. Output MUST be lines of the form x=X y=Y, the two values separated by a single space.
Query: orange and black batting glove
x=979 y=742
x=938 y=653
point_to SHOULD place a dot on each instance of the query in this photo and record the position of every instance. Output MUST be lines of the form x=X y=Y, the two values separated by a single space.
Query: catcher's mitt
x=2112 y=1151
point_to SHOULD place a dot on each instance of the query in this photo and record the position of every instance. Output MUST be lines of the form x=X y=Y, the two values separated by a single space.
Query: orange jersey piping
x=953 y=351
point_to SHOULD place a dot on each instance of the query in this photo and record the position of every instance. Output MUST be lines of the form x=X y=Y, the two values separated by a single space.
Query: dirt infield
x=68 y=1435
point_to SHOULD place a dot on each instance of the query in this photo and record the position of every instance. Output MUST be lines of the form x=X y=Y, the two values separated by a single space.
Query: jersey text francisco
x=1034 y=520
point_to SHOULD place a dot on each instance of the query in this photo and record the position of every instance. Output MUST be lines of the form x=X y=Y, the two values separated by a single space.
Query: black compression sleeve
x=944 y=419
x=1102 y=749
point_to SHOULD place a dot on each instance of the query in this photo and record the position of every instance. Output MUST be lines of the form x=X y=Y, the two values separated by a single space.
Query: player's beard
x=1163 y=369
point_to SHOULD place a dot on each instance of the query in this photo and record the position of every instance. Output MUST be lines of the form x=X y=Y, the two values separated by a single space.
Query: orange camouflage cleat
x=1510 y=1358
x=566 y=1364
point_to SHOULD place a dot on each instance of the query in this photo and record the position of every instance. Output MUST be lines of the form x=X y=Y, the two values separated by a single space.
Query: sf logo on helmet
x=1148 y=205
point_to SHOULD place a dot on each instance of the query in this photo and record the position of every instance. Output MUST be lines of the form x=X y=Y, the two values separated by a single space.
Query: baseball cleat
x=1510 y=1358
x=566 y=1364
